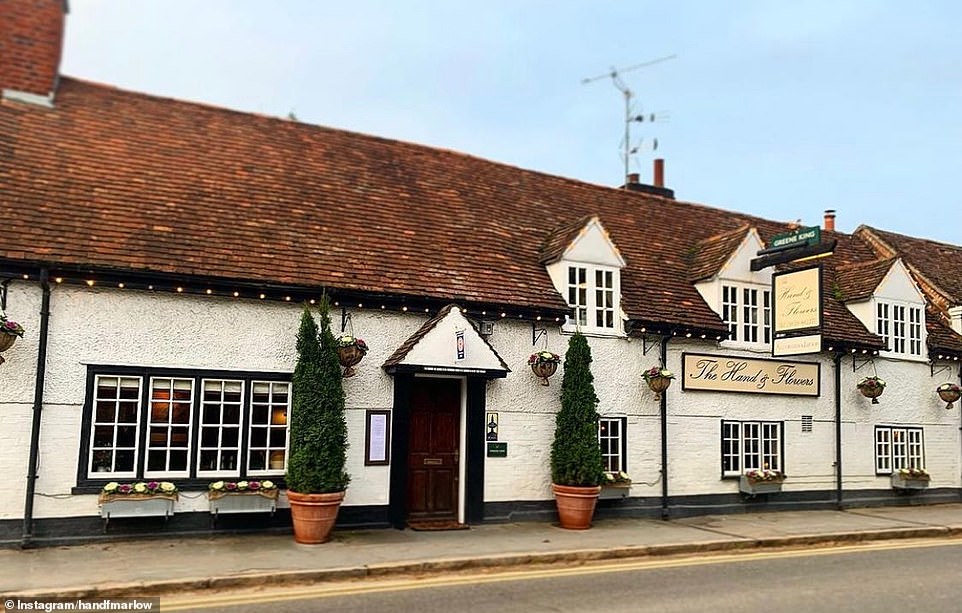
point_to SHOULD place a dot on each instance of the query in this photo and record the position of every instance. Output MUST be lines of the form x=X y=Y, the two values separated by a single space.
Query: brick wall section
x=31 y=40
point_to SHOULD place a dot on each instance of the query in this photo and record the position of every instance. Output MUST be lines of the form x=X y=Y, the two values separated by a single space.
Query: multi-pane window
x=900 y=326
x=168 y=440
x=166 y=424
x=750 y=445
x=613 y=442
x=115 y=426
x=220 y=427
x=747 y=311
x=270 y=403
x=897 y=448
x=592 y=297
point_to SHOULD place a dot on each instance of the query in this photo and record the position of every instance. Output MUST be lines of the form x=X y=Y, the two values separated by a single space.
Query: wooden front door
x=434 y=443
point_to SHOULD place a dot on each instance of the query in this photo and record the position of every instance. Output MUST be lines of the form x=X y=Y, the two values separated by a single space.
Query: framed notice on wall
x=377 y=438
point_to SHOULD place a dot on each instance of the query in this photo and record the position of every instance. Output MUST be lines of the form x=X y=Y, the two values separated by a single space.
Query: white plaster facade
x=123 y=327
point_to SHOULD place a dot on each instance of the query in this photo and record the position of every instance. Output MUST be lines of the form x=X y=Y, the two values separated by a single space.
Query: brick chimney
x=31 y=42
x=829 y=220
x=659 y=172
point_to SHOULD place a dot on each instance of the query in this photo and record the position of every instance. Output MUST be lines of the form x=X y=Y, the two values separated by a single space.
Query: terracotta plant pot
x=543 y=370
x=313 y=516
x=349 y=357
x=576 y=505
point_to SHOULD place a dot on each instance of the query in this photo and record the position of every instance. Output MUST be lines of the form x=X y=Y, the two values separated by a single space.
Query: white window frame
x=588 y=295
x=901 y=325
x=220 y=425
x=115 y=424
x=898 y=447
x=746 y=309
x=751 y=445
x=271 y=426
x=169 y=425
x=616 y=460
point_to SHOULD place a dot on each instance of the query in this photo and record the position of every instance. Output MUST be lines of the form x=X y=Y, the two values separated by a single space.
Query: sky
x=774 y=108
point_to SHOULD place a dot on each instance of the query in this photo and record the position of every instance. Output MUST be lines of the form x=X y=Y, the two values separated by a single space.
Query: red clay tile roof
x=709 y=255
x=859 y=281
x=559 y=239
x=939 y=263
x=114 y=180
x=941 y=338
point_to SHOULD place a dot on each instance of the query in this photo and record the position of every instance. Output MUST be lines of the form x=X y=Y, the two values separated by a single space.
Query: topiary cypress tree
x=575 y=454
x=318 y=436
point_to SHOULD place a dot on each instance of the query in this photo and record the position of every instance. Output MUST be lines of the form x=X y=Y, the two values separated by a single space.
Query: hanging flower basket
x=544 y=364
x=350 y=351
x=949 y=392
x=871 y=387
x=10 y=331
x=658 y=379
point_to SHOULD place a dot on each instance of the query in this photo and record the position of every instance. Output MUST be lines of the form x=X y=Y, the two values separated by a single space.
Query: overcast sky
x=776 y=108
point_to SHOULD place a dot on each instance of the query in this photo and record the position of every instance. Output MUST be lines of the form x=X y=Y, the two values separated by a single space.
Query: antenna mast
x=615 y=76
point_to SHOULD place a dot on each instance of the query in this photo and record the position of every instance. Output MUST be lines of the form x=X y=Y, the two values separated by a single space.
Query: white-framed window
x=115 y=426
x=900 y=325
x=897 y=447
x=750 y=445
x=144 y=423
x=593 y=296
x=614 y=443
x=168 y=427
x=747 y=312
x=270 y=405
x=221 y=405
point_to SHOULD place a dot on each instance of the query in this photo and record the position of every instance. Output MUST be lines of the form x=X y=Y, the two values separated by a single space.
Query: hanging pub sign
x=797 y=309
x=719 y=373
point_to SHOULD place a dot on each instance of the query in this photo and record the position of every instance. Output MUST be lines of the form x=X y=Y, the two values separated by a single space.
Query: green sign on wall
x=497 y=450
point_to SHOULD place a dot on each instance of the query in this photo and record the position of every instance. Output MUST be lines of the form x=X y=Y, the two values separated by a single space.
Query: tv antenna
x=616 y=80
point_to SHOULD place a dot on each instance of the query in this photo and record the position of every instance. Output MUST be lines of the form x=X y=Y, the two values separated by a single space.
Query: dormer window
x=900 y=325
x=591 y=296
x=747 y=311
x=585 y=268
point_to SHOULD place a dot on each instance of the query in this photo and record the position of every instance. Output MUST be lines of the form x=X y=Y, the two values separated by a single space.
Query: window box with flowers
x=141 y=499
x=871 y=387
x=761 y=481
x=616 y=484
x=658 y=379
x=544 y=364
x=949 y=393
x=10 y=331
x=350 y=351
x=910 y=479
x=242 y=497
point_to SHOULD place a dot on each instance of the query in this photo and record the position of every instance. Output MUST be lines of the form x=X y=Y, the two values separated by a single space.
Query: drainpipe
x=664 y=434
x=27 y=537
x=837 y=361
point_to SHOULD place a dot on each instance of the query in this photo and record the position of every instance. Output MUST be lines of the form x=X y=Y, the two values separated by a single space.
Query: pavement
x=148 y=567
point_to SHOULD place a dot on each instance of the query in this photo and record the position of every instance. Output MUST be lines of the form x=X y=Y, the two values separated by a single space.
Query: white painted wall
x=118 y=327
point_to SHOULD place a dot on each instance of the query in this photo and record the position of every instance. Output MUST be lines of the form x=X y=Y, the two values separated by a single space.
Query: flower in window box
x=350 y=351
x=658 y=379
x=138 y=491
x=764 y=475
x=617 y=479
x=10 y=331
x=949 y=392
x=544 y=364
x=915 y=474
x=871 y=387
x=219 y=489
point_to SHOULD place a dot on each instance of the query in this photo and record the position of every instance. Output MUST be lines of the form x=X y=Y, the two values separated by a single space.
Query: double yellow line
x=372 y=586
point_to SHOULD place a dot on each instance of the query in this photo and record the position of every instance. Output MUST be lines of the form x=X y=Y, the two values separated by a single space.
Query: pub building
x=158 y=255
